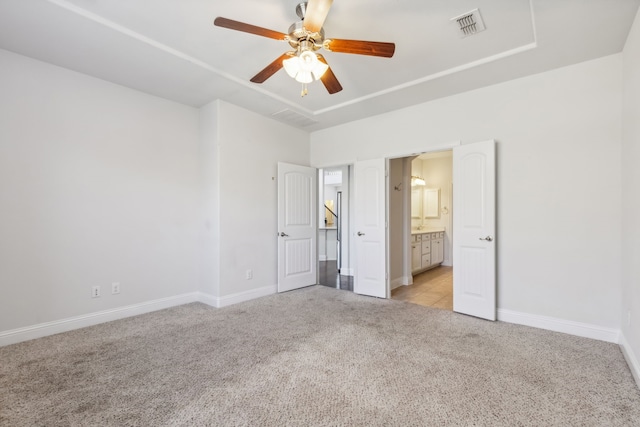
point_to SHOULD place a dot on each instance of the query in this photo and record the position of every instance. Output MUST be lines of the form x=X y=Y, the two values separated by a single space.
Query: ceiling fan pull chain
x=304 y=90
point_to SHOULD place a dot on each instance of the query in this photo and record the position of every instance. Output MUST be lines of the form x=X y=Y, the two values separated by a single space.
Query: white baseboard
x=631 y=358
x=322 y=257
x=64 y=325
x=400 y=281
x=560 y=325
x=244 y=296
x=57 y=326
x=208 y=299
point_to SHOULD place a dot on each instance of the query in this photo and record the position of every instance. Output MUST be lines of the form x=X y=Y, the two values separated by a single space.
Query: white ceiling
x=170 y=48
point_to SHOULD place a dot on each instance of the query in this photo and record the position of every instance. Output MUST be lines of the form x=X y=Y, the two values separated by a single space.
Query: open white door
x=370 y=228
x=474 y=248
x=297 y=224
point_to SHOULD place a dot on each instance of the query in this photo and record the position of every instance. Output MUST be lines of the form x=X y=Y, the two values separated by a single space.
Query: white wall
x=249 y=147
x=98 y=183
x=438 y=173
x=631 y=195
x=558 y=178
x=209 y=224
x=102 y=184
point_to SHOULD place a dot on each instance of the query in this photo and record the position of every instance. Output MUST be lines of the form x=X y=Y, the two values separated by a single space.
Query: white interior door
x=370 y=228
x=297 y=225
x=474 y=246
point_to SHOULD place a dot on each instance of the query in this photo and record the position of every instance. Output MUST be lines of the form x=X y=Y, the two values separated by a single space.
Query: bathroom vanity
x=427 y=249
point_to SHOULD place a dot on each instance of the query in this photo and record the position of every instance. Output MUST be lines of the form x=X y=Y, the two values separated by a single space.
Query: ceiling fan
x=306 y=37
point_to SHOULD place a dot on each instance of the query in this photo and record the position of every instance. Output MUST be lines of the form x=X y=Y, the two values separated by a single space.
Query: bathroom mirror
x=416 y=203
x=431 y=203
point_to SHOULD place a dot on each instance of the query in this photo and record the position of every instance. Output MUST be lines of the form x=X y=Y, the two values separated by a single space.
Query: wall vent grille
x=469 y=23
x=294 y=119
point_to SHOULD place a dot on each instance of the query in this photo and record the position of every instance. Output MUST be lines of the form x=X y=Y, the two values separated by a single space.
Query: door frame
x=347 y=170
x=406 y=231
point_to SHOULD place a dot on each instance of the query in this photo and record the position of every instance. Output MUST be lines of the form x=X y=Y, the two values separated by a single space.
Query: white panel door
x=474 y=246
x=370 y=228
x=297 y=219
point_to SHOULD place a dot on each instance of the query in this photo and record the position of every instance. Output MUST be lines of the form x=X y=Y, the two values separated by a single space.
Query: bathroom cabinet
x=427 y=250
x=416 y=253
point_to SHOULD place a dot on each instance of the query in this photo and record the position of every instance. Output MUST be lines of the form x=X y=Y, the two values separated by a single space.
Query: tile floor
x=433 y=288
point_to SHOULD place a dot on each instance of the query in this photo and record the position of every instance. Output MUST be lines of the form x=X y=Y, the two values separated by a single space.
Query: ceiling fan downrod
x=301 y=9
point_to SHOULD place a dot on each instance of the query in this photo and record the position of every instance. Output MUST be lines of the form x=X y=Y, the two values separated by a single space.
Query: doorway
x=333 y=228
x=429 y=216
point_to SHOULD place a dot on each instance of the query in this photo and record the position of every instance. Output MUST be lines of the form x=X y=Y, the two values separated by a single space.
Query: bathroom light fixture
x=416 y=180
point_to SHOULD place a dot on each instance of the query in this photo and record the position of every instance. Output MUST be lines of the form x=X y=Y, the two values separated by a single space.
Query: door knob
x=488 y=238
x=360 y=233
x=283 y=234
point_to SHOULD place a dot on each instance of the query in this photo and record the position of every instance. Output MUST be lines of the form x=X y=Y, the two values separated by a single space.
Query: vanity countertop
x=428 y=230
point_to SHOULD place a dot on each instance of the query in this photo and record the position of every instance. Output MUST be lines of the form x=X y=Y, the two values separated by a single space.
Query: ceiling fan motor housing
x=298 y=34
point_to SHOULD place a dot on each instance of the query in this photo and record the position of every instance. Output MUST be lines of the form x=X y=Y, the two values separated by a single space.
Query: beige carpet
x=316 y=356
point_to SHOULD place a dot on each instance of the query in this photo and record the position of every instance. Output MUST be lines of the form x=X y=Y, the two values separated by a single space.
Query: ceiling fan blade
x=315 y=14
x=248 y=28
x=361 y=47
x=270 y=69
x=329 y=79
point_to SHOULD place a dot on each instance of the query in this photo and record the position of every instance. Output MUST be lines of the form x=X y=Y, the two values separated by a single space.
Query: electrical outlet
x=95 y=292
x=249 y=274
x=115 y=288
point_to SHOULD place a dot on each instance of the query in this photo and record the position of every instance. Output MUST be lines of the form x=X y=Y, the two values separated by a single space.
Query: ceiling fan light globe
x=308 y=60
x=305 y=68
x=319 y=70
x=304 y=77
x=291 y=66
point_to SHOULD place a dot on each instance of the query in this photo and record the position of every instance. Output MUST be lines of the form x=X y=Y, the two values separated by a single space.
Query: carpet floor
x=314 y=357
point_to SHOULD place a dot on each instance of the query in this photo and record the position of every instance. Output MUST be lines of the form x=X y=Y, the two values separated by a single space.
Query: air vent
x=469 y=23
x=294 y=119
